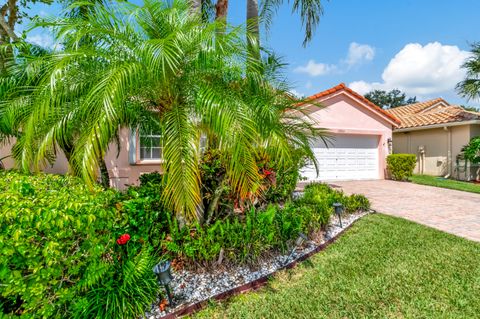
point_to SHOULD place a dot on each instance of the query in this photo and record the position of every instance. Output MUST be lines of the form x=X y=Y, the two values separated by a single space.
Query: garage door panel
x=349 y=157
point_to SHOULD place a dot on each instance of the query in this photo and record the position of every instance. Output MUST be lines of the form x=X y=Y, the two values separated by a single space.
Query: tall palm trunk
x=196 y=7
x=104 y=176
x=253 y=29
x=221 y=10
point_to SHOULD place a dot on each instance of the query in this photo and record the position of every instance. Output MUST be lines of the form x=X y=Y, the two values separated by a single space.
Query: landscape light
x=338 y=211
x=298 y=242
x=164 y=276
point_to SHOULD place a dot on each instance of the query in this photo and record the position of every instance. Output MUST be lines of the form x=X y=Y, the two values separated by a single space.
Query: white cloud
x=43 y=40
x=359 y=53
x=297 y=94
x=315 y=69
x=420 y=70
x=363 y=87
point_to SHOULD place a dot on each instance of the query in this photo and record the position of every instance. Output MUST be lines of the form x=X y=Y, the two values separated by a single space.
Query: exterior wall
x=342 y=114
x=122 y=173
x=441 y=147
x=6 y=150
x=434 y=143
x=474 y=130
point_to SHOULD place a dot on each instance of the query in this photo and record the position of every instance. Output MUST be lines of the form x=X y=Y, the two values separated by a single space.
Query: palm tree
x=155 y=66
x=470 y=87
x=309 y=11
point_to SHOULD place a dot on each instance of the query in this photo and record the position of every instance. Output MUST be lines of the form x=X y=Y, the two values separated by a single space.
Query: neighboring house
x=435 y=131
x=361 y=136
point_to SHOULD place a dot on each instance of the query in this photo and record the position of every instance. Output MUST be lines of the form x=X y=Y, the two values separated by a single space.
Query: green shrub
x=143 y=210
x=126 y=290
x=286 y=178
x=471 y=151
x=323 y=195
x=357 y=202
x=58 y=255
x=246 y=238
x=401 y=166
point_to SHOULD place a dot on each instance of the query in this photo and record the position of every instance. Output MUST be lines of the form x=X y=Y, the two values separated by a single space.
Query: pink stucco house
x=360 y=139
x=361 y=136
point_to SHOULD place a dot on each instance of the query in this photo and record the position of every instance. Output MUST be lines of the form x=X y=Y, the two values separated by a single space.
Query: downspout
x=449 y=151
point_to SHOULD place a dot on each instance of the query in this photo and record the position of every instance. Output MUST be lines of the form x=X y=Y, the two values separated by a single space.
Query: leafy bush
x=58 y=255
x=325 y=196
x=219 y=199
x=143 y=210
x=126 y=290
x=357 y=202
x=286 y=178
x=246 y=238
x=242 y=240
x=401 y=166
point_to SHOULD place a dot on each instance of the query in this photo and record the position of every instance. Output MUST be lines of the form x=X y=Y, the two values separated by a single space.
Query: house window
x=151 y=147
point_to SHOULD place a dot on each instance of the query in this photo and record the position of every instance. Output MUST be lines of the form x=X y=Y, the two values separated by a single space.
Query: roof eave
x=432 y=126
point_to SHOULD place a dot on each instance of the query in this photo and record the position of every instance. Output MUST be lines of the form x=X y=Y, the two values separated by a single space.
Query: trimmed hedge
x=401 y=166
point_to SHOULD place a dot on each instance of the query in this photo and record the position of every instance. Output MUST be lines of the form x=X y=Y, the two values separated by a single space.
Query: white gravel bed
x=192 y=287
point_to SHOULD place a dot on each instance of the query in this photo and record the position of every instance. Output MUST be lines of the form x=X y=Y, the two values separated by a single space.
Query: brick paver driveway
x=452 y=211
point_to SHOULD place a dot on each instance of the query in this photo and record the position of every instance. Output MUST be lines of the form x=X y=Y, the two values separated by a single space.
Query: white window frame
x=141 y=160
x=135 y=143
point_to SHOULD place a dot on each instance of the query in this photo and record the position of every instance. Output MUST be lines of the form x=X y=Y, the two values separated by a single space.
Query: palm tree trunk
x=195 y=7
x=221 y=10
x=212 y=207
x=104 y=176
x=253 y=29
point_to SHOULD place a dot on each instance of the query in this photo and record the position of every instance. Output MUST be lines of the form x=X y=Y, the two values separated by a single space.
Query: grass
x=445 y=183
x=383 y=267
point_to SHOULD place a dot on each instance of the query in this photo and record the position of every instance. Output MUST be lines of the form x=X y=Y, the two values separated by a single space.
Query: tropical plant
x=243 y=239
x=261 y=13
x=310 y=12
x=471 y=152
x=470 y=86
x=154 y=67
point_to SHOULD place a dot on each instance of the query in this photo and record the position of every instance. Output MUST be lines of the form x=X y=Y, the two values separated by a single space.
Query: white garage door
x=348 y=157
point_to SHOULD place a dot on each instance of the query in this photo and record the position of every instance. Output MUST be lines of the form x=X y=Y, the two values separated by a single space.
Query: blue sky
x=416 y=46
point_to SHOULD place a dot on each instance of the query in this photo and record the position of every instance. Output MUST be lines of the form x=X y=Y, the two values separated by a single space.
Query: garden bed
x=191 y=289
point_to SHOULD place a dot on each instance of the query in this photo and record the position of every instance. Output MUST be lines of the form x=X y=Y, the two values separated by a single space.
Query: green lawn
x=445 y=183
x=383 y=267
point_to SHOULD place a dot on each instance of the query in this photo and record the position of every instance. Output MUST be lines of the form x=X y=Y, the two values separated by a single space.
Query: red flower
x=122 y=240
x=267 y=172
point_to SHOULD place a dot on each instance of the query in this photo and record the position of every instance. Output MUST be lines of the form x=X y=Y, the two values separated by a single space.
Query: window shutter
x=132 y=147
